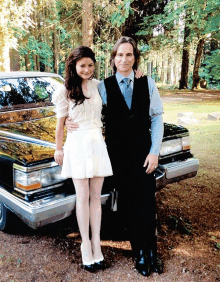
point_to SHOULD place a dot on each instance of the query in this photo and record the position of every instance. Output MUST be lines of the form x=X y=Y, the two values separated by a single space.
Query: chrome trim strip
x=23 y=138
x=36 y=167
x=159 y=172
x=31 y=109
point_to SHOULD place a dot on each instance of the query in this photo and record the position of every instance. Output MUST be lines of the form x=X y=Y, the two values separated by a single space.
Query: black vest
x=127 y=130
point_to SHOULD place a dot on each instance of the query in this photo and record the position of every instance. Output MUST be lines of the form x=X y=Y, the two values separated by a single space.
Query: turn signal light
x=28 y=187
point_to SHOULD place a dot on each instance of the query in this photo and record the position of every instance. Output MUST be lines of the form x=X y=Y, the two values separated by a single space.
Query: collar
x=119 y=76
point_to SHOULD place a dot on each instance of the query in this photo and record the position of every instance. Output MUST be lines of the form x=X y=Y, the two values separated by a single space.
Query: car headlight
x=170 y=147
x=175 y=145
x=37 y=179
x=186 y=143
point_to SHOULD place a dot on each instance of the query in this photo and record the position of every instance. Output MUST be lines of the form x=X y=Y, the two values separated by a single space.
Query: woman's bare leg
x=82 y=214
x=95 y=214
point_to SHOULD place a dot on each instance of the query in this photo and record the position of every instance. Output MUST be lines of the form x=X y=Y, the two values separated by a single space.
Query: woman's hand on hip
x=70 y=125
x=58 y=156
x=151 y=163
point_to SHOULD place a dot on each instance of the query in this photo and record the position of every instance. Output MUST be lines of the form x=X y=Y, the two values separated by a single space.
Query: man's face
x=124 y=59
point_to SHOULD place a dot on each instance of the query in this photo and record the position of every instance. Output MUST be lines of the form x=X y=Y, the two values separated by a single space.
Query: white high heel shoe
x=87 y=265
x=99 y=260
x=100 y=263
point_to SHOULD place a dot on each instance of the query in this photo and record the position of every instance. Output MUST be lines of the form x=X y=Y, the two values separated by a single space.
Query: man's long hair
x=73 y=82
x=120 y=41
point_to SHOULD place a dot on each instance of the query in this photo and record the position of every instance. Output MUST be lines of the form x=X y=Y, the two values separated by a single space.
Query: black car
x=30 y=182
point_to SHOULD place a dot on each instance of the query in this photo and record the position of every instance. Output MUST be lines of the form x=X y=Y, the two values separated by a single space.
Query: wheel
x=5 y=218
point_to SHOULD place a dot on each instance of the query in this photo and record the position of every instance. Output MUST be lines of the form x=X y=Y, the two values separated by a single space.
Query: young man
x=133 y=107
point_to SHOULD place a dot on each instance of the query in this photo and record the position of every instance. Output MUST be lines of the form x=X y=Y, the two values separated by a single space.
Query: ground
x=188 y=220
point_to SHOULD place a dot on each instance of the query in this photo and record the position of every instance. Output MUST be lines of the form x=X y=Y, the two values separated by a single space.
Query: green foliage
x=122 y=13
x=37 y=48
x=143 y=47
x=210 y=69
x=167 y=18
x=102 y=50
x=201 y=19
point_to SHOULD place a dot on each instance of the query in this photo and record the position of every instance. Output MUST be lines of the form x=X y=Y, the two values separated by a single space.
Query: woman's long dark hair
x=120 y=41
x=73 y=82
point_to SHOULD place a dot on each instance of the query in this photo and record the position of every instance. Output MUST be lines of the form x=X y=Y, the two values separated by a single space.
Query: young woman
x=84 y=157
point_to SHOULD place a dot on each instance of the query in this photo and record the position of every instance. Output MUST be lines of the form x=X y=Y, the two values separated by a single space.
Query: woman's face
x=85 y=68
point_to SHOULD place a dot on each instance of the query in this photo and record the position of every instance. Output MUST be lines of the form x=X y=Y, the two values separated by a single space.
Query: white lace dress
x=85 y=152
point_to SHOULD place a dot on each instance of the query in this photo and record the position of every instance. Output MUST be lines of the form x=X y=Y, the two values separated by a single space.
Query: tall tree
x=199 y=51
x=185 y=53
x=87 y=23
x=206 y=20
x=201 y=19
x=13 y=14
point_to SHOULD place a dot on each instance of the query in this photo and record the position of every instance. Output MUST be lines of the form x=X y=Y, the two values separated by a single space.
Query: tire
x=6 y=221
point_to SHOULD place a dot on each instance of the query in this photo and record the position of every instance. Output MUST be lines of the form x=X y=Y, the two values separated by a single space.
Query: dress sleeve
x=96 y=81
x=59 y=99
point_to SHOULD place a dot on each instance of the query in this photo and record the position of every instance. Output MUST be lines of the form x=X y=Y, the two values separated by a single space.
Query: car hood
x=33 y=126
x=28 y=136
x=172 y=131
x=24 y=153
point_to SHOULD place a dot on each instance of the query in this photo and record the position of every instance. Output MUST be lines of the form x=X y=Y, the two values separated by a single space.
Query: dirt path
x=188 y=238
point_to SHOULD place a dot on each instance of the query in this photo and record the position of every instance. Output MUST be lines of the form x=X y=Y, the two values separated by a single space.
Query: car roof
x=18 y=74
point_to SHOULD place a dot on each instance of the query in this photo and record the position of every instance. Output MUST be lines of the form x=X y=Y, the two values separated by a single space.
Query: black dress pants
x=137 y=205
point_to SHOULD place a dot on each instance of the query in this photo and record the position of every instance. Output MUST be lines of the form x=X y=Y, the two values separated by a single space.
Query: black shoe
x=142 y=263
x=156 y=264
x=101 y=265
x=89 y=267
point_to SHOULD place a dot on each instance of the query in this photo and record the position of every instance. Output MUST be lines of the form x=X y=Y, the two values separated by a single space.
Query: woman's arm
x=58 y=155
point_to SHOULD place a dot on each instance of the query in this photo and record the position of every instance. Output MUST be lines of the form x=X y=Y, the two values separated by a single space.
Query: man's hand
x=151 y=163
x=138 y=73
x=58 y=156
x=70 y=125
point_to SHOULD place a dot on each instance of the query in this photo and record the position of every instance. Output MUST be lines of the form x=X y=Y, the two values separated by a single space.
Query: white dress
x=85 y=152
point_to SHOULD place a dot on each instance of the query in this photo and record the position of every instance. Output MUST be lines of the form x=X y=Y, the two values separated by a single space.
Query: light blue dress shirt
x=155 y=111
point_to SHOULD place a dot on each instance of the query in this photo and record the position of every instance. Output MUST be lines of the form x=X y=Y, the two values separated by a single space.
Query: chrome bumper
x=41 y=212
x=48 y=210
x=176 y=171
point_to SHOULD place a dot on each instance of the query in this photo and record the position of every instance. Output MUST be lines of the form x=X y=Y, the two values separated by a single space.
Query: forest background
x=179 y=40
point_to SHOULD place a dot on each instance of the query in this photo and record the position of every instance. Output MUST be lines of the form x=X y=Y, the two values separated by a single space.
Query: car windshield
x=27 y=92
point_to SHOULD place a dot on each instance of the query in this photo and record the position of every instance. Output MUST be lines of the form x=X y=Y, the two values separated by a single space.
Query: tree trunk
x=169 y=74
x=47 y=8
x=4 y=52
x=185 y=59
x=35 y=58
x=27 y=62
x=56 y=43
x=214 y=44
x=4 y=36
x=87 y=23
x=14 y=60
x=199 y=51
x=56 y=49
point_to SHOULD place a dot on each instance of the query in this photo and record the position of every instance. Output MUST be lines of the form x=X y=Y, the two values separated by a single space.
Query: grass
x=204 y=133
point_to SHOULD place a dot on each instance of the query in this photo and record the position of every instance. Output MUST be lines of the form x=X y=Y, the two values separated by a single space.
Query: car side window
x=26 y=92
